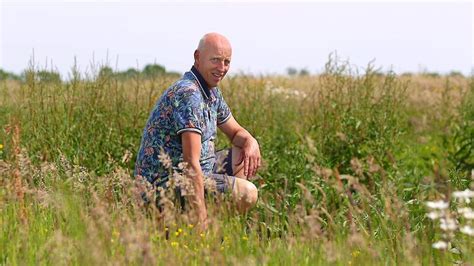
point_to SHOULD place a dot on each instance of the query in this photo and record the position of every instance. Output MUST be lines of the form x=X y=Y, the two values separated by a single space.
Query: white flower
x=440 y=204
x=464 y=195
x=467 y=230
x=440 y=245
x=448 y=224
x=469 y=215
x=433 y=215
x=464 y=210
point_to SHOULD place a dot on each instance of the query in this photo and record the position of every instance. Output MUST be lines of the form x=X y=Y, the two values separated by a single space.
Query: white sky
x=267 y=37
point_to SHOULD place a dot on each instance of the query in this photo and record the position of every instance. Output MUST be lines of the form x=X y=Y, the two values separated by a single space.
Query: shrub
x=153 y=70
x=354 y=116
x=462 y=149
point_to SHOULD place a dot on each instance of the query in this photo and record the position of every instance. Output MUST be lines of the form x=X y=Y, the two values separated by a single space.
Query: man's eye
x=227 y=62
x=215 y=60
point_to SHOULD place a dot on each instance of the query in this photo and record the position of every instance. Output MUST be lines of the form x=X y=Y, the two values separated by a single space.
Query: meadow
x=351 y=158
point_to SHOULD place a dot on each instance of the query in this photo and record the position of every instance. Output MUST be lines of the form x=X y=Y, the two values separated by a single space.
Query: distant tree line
x=155 y=70
x=4 y=75
x=148 y=72
x=291 y=71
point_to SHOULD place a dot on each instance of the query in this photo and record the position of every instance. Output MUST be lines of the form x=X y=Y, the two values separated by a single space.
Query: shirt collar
x=201 y=81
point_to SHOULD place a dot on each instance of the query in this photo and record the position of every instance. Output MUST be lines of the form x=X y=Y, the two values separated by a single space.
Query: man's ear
x=196 y=56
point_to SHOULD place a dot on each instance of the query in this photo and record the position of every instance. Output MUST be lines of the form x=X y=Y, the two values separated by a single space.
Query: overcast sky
x=267 y=37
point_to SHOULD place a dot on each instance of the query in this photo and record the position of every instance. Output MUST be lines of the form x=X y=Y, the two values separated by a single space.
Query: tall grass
x=350 y=158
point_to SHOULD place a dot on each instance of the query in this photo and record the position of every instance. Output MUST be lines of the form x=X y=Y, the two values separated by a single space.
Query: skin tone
x=212 y=60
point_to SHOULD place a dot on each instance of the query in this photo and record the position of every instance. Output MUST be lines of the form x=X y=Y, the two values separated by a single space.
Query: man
x=184 y=124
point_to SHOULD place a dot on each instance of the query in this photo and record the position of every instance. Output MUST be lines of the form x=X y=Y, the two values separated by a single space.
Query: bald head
x=212 y=58
x=213 y=39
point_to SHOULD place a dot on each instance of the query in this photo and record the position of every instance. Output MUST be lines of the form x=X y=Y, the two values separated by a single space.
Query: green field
x=350 y=159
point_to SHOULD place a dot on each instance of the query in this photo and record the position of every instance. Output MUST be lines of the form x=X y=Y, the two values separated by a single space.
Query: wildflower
x=202 y=234
x=165 y=159
x=440 y=204
x=448 y=224
x=434 y=215
x=115 y=233
x=183 y=166
x=127 y=156
x=174 y=244
x=210 y=184
x=1 y=146
x=467 y=230
x=465 y=195
x=190 y=226
x=245 y=238
x=469 y=215
x=455 y=251
x=440 y=245
x=355 y=253
x=176 y=233
x=180 y=230
x=464 y=210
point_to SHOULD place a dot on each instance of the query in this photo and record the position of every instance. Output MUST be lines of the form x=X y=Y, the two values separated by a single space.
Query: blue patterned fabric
x=187 y=105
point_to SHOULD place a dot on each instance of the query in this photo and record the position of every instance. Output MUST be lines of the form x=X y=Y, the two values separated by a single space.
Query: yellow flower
x=1 y=146
x=202 y=235
x=176 y=233
x=355 y=253
x=245 y=238
x=180 y=230
x=174 y=244
x=115 y=233
x=190 y=226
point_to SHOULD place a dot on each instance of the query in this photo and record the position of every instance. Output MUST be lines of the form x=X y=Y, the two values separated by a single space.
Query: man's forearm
x=196 y=177
x=241 y=137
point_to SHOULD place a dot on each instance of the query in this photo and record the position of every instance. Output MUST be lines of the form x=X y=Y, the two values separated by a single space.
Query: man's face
x=213 y=62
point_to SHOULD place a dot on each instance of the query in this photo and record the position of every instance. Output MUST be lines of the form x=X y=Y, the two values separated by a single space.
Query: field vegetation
x=351 y=158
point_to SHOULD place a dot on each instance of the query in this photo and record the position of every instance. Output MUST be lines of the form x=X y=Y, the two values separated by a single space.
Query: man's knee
x=246 y=193
x=252 y=193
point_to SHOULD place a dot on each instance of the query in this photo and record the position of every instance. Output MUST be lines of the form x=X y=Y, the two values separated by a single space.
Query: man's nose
x=221 y=65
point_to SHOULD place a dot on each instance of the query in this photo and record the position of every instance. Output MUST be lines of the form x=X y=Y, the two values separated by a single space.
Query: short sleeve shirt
x=187 y=105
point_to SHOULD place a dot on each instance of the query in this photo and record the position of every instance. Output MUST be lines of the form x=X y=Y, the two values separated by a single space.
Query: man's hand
x=250 y=151
x=250 y=155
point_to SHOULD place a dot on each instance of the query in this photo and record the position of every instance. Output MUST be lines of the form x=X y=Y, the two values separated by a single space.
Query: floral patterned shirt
x=187 y=105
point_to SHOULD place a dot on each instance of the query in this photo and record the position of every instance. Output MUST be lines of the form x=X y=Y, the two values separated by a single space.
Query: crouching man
x=184 y=123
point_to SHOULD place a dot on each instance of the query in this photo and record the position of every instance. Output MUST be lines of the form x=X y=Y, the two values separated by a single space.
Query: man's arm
x=191 y=142
x=250 y=150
